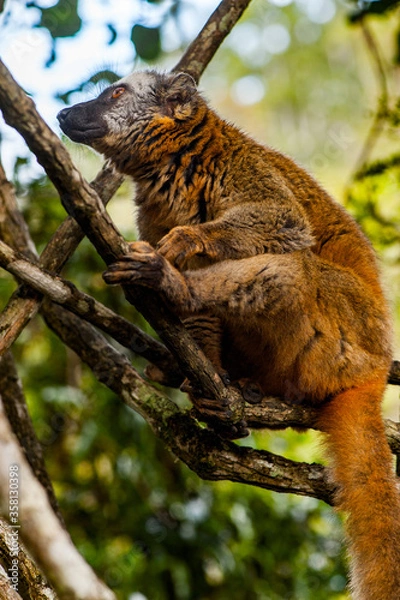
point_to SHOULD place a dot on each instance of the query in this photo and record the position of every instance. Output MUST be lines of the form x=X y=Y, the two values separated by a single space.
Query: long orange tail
x=368 y=493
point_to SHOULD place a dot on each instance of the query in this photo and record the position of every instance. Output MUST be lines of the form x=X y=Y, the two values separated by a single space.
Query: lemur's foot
x=222 y=416
x=250 y=390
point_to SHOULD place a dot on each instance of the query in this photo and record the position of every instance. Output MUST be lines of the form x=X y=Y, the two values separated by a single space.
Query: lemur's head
x=131 y=112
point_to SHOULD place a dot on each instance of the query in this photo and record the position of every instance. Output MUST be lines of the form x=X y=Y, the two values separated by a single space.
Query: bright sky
x=25 y=50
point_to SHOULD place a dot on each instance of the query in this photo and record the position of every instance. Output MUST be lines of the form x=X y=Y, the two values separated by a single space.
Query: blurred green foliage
x=148 y=525
x=62 y=19
x=147 y=41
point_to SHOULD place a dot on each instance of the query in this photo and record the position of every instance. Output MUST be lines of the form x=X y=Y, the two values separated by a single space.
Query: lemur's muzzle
x=83 y=122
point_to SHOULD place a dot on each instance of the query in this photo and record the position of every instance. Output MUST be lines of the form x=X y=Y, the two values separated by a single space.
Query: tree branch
x=66 y=294
x=6 y=591
x=31 y=582
x=21 y=423
x=24 y=303
x=40 y=529
x=202 y=450
x=382 y=109
x=219 y=25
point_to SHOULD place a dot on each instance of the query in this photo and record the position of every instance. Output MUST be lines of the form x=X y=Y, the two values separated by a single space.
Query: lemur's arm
x=245 y=230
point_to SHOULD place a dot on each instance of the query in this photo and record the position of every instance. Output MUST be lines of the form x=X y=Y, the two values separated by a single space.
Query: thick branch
x=66 y=294
x=40 y=529
x=6 y=591
x=219 y=25
x=24 y=303
x=202 y=450
x=274 y=413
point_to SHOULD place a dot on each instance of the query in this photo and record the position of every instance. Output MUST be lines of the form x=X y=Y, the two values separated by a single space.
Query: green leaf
x=147 y=41
x=62 y=19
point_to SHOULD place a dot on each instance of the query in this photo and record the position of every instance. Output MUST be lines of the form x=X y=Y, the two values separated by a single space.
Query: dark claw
x=211 y=404
x=252 y=393
x=212 y=412
x=197 y=396
x=231 y=432
x=226 y=380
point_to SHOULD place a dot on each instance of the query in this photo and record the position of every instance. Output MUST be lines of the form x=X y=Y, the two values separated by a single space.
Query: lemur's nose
x=62 y=115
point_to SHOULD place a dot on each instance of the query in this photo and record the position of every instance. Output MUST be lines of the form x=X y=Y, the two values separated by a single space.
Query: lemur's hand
x=181 y=244
x=142 y=265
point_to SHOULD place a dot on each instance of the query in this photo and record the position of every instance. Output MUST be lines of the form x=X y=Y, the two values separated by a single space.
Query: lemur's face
x=123 y=110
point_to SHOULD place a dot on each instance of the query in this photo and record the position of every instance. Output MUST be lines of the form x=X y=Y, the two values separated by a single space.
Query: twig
x=382 y=109
x=13 y=228
x=25 y=303
x=21 y=423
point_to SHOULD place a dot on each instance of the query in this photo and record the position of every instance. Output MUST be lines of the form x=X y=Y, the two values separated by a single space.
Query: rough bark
x=202 y=49
x=31 y=583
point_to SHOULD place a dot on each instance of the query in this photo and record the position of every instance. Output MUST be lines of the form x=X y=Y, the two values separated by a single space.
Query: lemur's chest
x=160 y=209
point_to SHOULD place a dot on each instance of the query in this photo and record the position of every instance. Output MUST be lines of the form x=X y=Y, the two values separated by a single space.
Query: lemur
x=275 y=278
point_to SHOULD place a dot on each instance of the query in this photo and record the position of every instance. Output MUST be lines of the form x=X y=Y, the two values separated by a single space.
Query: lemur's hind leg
x=251 y=287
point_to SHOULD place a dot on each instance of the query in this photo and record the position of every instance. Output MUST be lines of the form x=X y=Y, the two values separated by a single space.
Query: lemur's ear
x=181 y=87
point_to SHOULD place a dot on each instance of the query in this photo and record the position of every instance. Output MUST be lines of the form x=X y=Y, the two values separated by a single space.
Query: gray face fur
x=125 y=107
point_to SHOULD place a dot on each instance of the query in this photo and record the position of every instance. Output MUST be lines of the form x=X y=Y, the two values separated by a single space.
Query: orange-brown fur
x=274 y=275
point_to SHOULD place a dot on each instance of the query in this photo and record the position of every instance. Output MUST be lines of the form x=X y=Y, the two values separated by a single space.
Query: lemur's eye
x=118 y=92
